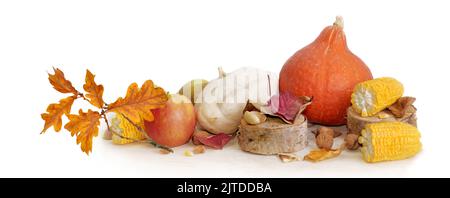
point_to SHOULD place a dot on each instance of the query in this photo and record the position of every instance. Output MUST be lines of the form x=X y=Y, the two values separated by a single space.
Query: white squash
x=220 y=107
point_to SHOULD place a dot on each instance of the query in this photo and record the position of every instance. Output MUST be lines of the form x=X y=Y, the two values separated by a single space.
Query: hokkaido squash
x=328 y=71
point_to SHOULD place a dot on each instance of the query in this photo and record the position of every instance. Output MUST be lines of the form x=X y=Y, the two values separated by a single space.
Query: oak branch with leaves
x=135 y=107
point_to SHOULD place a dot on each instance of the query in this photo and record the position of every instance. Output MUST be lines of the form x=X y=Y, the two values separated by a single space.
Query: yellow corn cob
x=122 y=126
x=386 y=141
x=373 y=96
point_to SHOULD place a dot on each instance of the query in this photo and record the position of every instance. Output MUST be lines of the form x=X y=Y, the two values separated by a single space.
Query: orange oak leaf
x=94 y=91
x=138 y=103
x=322 y=154
x=85 y=127
x=60 y=83
x=55 y=111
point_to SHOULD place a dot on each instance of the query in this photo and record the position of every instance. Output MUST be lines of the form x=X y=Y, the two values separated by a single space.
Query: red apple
x=173 y=124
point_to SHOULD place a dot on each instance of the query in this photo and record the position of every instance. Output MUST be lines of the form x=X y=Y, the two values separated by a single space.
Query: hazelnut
x=351 y=141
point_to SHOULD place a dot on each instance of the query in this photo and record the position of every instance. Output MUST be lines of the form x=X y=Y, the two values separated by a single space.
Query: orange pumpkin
x=328 y=71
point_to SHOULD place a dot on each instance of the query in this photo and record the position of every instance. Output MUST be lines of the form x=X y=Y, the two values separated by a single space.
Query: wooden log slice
x=273 y=136
x=355 y=122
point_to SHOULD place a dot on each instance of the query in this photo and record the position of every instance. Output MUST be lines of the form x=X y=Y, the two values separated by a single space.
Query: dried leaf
x=60 y=83
x=288 y=157
x=197 y=134
x=400 y=107
x=94 y=91
x=286 y=106
x=249 y=107
x=138 y=103
x=214 y=141
x=322 y=154
x=85 y=127
x=54 y=113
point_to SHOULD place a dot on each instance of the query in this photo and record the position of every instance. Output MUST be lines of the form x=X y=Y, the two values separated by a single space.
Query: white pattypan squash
x=221 y=104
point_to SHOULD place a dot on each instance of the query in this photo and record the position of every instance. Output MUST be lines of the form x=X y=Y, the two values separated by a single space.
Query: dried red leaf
x=287 y=106
x=197 y=134
x=214 y=141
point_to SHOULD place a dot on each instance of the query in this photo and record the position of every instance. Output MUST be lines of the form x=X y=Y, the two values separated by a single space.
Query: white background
x=172 y=42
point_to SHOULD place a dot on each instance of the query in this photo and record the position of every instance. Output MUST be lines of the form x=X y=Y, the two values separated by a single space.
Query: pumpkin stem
x=339 y=22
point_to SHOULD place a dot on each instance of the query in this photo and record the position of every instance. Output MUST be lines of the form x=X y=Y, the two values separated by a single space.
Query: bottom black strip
x=212 y=187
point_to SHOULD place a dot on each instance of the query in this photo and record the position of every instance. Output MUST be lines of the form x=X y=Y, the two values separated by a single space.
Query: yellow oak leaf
x=322 y=154
x=85 y=127
x=138 y=103
x=60 y=83
x=94 y=91
x=54 y=113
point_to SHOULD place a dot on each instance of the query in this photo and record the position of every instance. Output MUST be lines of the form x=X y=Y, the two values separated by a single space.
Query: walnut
x=351 y=141
x=325 y=138
x=336 y=133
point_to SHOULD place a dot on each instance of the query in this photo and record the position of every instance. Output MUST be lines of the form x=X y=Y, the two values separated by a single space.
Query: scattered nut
x=164 y=151
x=254 y=117
x=288 y=157
x=199 y=149
x=188 y=153
x=351 y=141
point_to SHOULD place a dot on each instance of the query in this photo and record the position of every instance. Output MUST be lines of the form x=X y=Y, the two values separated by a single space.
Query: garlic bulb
x=220 y=108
